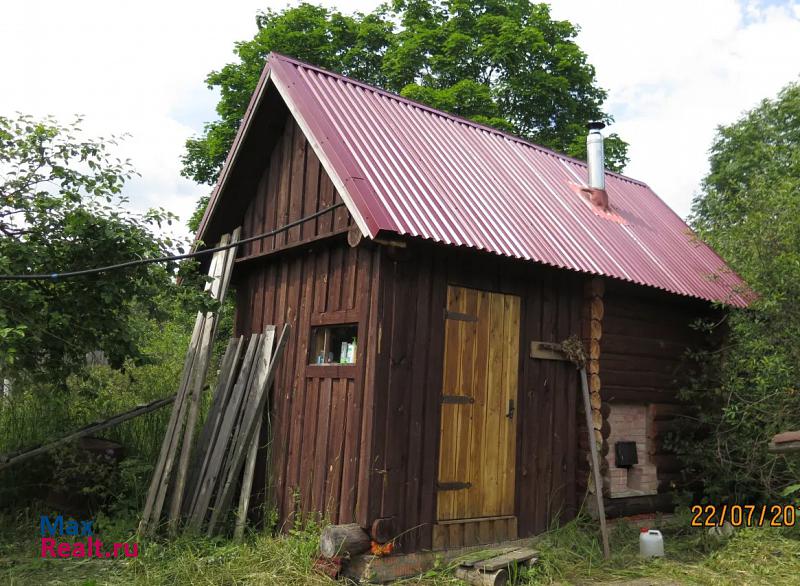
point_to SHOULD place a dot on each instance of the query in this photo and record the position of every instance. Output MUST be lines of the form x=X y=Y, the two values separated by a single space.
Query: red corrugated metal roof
x=406 y=168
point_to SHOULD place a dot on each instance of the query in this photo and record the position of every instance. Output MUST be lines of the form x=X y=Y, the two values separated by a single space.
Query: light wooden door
x=477 y=453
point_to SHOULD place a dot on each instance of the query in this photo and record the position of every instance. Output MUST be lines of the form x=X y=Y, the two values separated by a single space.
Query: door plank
x=494 y=408
x=477 y=433
x=448 y=411
x=510 y=382
x=465 y=410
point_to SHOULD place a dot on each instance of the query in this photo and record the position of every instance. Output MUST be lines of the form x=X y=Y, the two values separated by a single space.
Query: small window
x=334 y=344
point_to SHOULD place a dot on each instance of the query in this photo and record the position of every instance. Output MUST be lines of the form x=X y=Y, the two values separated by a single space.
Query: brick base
x=630 y=423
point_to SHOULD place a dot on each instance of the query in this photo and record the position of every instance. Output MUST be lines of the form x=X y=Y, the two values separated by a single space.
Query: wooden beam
x=220 y=271
x=208 y=436
x=598 y=481
x=784 y=448
x=547 y=351
x=219 y=448
x=217 y=288
x=306 y=242
x=343 y=541
x=8 y=460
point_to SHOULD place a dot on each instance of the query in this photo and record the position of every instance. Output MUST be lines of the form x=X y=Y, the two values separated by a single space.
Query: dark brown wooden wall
x=292 y=185
x=645 y=337
x=408 y=379
x=316 y=411
x=304 y=277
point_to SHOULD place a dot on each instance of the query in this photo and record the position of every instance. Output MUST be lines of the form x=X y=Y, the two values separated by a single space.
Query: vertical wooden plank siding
x=317 y=411
x=315 y=415
x=292 y=185
x=413 y=296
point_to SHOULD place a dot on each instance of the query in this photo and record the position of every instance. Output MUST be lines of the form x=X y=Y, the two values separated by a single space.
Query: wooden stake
x=598 y=482
x=227 y=376
x=220 y=271
x=217 y=290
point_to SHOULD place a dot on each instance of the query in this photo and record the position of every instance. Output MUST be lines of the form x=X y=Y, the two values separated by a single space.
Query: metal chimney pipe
x=595 y=157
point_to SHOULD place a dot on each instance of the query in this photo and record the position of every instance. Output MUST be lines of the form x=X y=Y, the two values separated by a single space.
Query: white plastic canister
x=651 y=543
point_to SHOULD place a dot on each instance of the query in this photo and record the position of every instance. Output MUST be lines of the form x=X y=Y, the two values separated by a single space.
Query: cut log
x=343 y=540
x=383 y=529
x=478 y=578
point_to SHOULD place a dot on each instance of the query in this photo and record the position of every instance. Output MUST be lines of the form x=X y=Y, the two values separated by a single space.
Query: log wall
x=642 y=361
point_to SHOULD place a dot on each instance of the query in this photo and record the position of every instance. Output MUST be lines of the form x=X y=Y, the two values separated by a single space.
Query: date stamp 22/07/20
x=744 y=515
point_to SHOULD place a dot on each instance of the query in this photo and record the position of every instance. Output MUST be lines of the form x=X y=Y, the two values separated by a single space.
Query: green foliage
x=503 y=63
x=60 y=197
x=349 y=44
x=749 y=212
x=34 y=413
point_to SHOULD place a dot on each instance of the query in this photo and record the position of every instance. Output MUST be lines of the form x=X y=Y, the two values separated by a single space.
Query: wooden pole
x=598 y=481
x=217 y=290
x=207 y=482
x=11 y=459
x=208 y=435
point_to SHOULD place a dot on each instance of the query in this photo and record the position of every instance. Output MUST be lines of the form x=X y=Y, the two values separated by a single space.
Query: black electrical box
x=626 y=454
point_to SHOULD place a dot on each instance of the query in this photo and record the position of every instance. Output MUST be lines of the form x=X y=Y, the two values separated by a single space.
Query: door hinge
x=458 y=399
x=443 y=486
x=459 y=316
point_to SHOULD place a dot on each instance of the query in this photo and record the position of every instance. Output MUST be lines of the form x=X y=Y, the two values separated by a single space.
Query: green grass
x=568 y=555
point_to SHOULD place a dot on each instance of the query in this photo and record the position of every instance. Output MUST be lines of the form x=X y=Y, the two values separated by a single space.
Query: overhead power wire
x=147 y=261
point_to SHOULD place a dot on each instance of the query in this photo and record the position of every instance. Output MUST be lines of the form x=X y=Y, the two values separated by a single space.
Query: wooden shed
x=413 y=398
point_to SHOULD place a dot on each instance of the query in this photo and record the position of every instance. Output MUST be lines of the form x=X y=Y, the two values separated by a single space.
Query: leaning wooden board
x=506 y=560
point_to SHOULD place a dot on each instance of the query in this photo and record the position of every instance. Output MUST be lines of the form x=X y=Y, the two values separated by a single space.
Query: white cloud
x=674 y=70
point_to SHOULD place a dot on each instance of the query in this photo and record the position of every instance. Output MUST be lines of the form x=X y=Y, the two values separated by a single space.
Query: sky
x=674 y=72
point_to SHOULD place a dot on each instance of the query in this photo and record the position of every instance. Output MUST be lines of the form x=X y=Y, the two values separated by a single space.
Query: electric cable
x=146 y=261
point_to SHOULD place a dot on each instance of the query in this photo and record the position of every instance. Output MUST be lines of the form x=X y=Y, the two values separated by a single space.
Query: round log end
x=343 y=541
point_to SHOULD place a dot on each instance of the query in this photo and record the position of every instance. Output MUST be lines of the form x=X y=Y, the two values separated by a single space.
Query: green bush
x=749 y=389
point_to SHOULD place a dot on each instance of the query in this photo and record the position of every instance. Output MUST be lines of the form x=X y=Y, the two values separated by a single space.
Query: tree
x=505 y=63
x=353 y=45
x=749 y=211
x=60 y=197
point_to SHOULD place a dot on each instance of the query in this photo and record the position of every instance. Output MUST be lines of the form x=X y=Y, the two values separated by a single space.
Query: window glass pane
x=335 y=344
